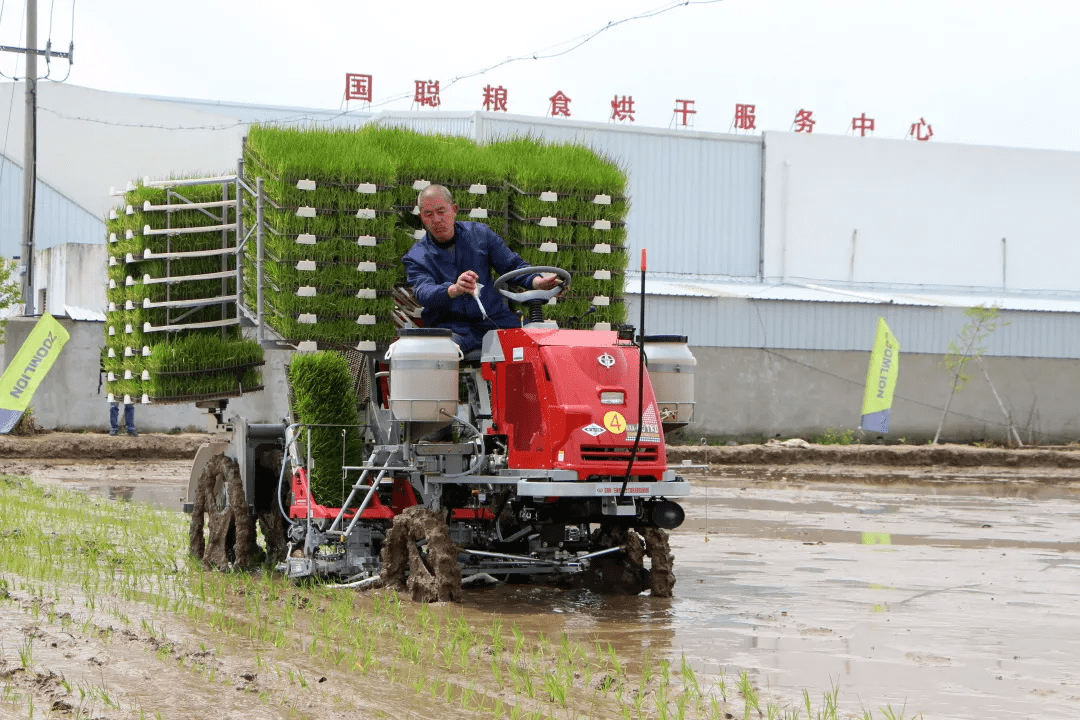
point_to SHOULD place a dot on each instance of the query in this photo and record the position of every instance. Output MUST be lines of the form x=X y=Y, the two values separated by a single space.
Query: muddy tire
x=617 y=573
x=220 y=507
x=434 y=574
x=267 y=507
x=662 y=575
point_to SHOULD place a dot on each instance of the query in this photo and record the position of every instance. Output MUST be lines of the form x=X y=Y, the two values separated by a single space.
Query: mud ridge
x=101 y=446
x=883 y=455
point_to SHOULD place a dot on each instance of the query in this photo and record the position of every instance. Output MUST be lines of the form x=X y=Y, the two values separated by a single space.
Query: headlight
x=613 y=397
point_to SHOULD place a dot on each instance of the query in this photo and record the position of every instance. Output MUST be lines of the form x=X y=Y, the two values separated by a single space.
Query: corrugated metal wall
x=57 y=220
x=741 y=323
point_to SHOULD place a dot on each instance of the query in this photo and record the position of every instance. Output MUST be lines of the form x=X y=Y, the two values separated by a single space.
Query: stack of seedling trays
x=172 y=333
x=332 y=236
x=340 y=211
x=475 y=177
x=567 y=208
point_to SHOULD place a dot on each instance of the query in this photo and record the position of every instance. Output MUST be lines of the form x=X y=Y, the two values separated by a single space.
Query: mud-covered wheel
x=662 y=575
x=433 y=572
x=624 y=573
x=220 y=507
x=268 y=506
x=621 y=573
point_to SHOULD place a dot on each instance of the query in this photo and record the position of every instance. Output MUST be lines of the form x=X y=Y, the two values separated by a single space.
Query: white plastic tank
x=671 y=370
x=423 y=375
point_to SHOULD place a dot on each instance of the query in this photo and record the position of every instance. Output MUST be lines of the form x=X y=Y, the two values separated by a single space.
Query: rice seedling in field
x=132 y=551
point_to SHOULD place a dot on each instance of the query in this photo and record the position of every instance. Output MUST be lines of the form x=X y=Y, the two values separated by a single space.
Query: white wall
x=90 y=140
x=74 y=274
x=923 y=213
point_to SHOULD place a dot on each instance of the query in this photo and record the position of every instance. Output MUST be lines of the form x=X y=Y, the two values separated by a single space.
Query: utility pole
x=30 y=146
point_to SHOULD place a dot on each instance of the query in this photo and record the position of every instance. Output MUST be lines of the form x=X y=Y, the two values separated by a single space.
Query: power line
x=578 y=42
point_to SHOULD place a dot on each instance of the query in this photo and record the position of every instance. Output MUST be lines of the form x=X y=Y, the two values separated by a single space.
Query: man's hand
x=545 y=281
x=465 y=284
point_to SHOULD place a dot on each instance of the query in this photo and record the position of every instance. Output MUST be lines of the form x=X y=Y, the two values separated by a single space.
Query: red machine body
x=568 y=400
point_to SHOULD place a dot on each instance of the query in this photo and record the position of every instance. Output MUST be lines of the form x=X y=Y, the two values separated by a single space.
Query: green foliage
x=835 y=436
x=323 y=396
x=10 y=289
x=968 y=346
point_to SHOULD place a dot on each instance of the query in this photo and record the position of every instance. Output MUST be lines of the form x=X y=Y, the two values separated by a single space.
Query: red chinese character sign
x=622 y=108
x=804 y=121
x=685 y=108
x=358 y=87
x=745 y=119
x=560 y=104
x=921 y=130
x=495 y=98
x=862 y=125
x=427 y=93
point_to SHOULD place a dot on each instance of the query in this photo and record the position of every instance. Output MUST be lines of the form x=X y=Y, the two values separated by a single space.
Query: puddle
x=958 y=604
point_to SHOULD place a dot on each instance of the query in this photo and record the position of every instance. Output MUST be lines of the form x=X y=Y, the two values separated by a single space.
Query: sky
x=986 y=72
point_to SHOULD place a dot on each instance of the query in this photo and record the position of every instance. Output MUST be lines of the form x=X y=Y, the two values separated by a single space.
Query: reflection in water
x=631 y=624
x=121 y=492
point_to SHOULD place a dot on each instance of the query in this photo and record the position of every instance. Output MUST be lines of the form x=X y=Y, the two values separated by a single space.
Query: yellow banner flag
x=880 y=380
x=28 y=369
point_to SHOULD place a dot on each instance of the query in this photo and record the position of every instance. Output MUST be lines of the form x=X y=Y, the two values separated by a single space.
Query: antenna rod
x=640 y=381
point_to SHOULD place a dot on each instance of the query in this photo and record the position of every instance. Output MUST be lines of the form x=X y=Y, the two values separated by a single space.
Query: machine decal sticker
x=615 y=422
x=650 y=428
x=593 y=429
x=606 y=360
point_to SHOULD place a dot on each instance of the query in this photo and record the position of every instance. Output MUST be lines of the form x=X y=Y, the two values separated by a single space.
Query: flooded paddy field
x=948 y=591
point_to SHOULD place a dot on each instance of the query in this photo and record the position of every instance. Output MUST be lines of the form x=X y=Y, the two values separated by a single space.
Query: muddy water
x=955 y=596
x=160 y=483
x=958 y=600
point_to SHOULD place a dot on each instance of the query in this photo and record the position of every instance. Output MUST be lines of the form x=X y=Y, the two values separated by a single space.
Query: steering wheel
x=529 y=295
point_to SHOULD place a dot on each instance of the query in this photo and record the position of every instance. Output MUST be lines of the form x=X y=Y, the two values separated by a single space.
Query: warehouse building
x=774 y=254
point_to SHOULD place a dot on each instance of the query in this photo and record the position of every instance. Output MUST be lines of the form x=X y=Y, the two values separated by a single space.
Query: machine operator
x=452 y=262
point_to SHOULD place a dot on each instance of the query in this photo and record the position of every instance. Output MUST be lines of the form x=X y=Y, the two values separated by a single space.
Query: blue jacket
x=432 y=270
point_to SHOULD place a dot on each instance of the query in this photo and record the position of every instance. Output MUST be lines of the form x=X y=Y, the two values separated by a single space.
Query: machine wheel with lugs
x=222 y=533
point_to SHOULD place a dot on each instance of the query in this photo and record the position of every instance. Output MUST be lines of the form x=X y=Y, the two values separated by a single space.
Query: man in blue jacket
x=451 y=261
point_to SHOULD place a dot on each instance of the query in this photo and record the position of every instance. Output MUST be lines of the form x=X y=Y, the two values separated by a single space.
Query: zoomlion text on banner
x=881 y=380
x=28 y=369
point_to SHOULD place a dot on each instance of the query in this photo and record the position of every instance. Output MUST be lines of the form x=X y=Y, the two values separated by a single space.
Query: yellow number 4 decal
x=615 y=422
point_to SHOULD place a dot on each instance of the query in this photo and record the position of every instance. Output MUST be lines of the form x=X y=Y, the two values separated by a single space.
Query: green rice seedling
x=689 y=678
x=616 y=664
x=555 y=688
x=890 y=714
x=467 y=695
x=646 y=668
x=323 y=400
x=750 y=697
x=26 y=654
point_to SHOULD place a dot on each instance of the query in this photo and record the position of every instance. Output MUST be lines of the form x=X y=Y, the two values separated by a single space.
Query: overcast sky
x=989 y=72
